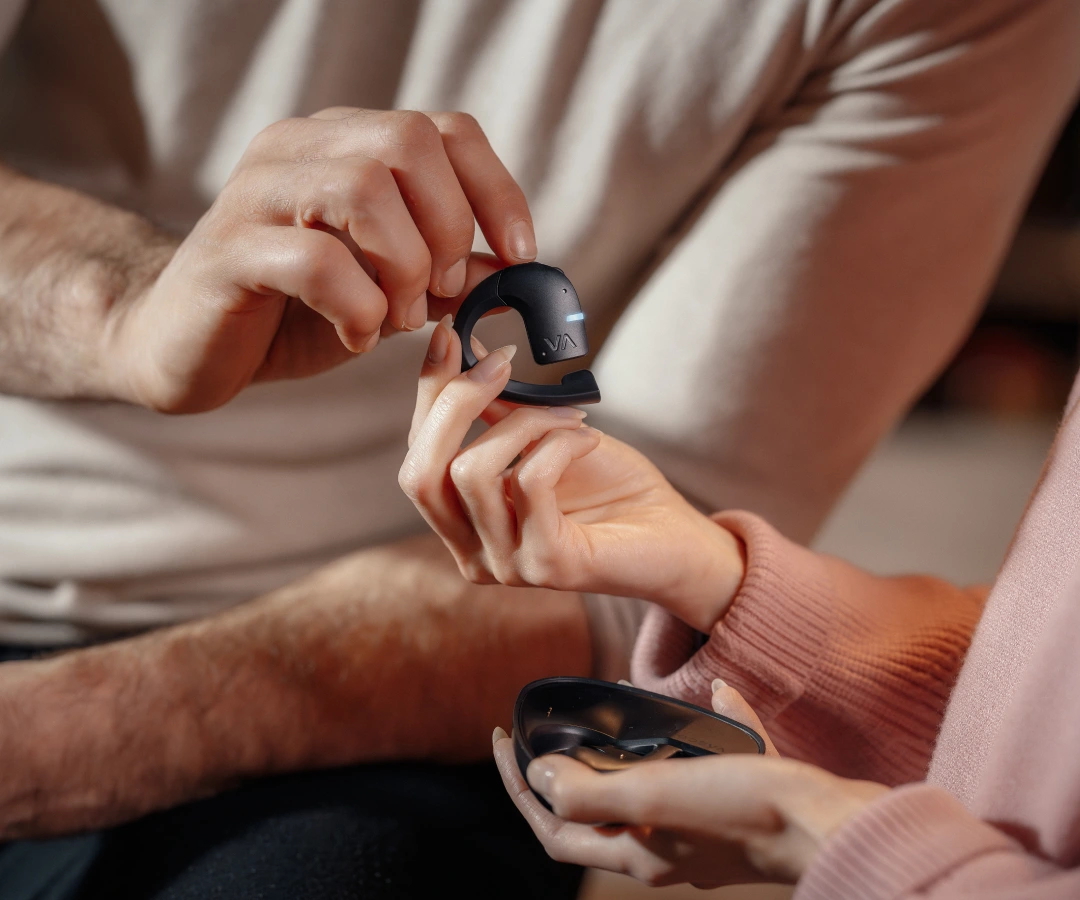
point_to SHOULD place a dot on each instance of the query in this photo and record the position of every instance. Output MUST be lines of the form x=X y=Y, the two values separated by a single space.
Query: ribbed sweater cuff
x=899 y=845
x=767 y=644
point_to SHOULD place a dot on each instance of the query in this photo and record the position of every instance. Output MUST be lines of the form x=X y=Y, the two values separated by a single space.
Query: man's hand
x=541 y=500
x=385 y=654
x=710 y=821
x=331 y=231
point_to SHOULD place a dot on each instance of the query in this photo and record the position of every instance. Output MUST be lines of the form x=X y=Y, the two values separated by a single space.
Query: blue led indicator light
x=575 y=317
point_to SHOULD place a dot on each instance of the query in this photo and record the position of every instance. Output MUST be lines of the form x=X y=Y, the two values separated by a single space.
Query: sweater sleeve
x=847 y=670
x=919 y=841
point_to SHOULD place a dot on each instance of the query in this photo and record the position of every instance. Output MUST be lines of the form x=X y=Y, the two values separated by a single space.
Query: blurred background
x=943 y=494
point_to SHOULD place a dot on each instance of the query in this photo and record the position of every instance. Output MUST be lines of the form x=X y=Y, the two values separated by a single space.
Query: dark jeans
x=372 y=832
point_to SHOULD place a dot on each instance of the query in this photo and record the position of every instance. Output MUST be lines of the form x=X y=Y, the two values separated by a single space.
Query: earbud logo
x=562 y=342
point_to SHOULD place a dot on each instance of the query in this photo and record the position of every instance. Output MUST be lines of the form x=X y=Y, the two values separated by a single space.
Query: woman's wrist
x=813 y=807
x=710 y=564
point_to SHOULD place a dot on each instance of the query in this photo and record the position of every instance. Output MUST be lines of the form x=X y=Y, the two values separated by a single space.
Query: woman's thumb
x=730 y=703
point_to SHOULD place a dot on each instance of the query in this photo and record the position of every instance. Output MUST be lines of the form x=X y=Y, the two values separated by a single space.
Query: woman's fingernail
x=453 y=280
x=522 y=241
x=440 y=342
x=568 y=412
x=478 y=349
x=717 y=684
x=624 y=682
x=540 y=777
x=498 y=735
x=491 y=366
x=417 y=314
x=370 y=342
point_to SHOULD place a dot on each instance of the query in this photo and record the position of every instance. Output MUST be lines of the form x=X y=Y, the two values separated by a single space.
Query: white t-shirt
x=796 y=206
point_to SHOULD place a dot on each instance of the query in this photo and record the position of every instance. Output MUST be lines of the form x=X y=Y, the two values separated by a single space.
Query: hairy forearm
x=386 y=654
x=66 y=261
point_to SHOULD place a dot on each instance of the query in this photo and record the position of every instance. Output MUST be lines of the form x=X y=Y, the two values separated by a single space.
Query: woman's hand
x=709 y=821
x=539 y=499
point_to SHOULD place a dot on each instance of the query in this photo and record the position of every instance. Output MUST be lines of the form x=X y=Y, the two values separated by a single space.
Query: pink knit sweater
x=873 y=678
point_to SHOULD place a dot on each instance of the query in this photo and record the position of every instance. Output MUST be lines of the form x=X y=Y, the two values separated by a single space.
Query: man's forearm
x=66 y=260
x=385 y=654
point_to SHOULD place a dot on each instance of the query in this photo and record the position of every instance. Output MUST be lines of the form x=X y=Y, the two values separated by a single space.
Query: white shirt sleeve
x=840 y=257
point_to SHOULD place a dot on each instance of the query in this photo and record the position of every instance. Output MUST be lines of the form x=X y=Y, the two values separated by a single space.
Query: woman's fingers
x=540 y=819
x=441 y=365
x=459 y=404
x=715 y=819
x=425 y=473
x=462 y=493
x=729 y=702
x=564 y=841
x=532 y=488
x=477 y=473
x=497 y=410
x=655 y=855
x=432 y=492
x=717 y=795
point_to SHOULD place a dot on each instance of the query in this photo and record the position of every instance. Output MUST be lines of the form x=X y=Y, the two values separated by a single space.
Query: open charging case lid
x=614 y=726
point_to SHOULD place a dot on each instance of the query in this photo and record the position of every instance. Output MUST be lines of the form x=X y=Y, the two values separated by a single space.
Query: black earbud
x=554 y=323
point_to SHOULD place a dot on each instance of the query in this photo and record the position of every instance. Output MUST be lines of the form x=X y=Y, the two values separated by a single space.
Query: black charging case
x=614 y=726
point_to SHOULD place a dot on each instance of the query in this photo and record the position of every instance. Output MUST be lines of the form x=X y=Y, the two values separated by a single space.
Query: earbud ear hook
x=554 y=323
